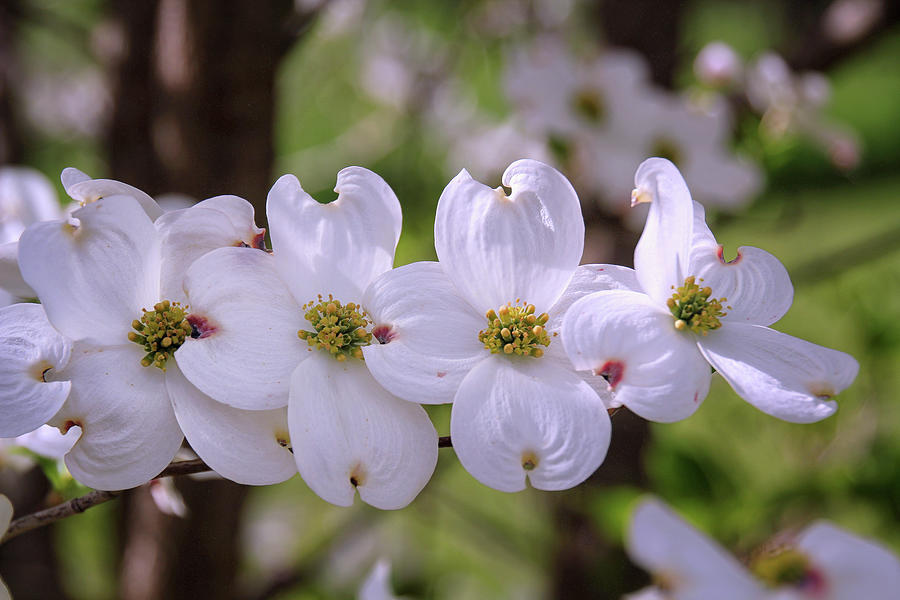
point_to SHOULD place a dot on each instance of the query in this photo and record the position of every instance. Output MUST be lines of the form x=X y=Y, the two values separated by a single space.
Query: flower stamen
x=160 y=332
x=515 y=329
x=340 y=329
x=693 y=309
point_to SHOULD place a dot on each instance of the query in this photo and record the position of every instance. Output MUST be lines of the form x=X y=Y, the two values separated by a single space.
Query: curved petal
x=336 y=248
x=248 y=447
x=188 y=234
x=525 y=417
x=48 y=441
x=94 y=278
x=781 y=375
x=428 y=334
x=852 y=567
x=497 y=248
x=691 y=565
x=80 y=187
x=350 y=434
x=247 y=322
x=10 y=275
x=128 y=428
x=654 y=369
x=662 y=255
x=29 y=347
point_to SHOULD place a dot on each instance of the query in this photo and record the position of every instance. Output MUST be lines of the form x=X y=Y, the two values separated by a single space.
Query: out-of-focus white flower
x=70 y=101
x=6 y=513
x=167 y=498
x=377 y=585
x=288 y=328
x=473 y=330
x=685 y=308
x=845 y=21
x=26 y=196
x=718 y=65
x=48 y=441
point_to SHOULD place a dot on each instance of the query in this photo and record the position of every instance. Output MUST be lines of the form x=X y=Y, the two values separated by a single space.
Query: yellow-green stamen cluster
x=340 y=329
x=782 y=567
x=160 y=332
x=693 y=309
x=515 y=329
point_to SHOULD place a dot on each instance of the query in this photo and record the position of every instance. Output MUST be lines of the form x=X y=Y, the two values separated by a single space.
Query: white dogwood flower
x=687 y=308
x=289 y=328
x=99 y=277
x=480 y=328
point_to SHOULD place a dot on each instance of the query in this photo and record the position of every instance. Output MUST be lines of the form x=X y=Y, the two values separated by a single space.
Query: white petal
x=79 y=186
x=518 y=417
x=248 y=322
x=188 y=234
x=781 y=375
x=693 y=566
x=430 y=334
x=6 y=513
x=346 y=428
x=497 y=248
x=377 y=585
x=10 y=276
x=853 y=567
x=94 y=279
x=248 y=447
x=48 y=441
x=662 y=255
x=26 y=197
x=336 y=248
x=654 y=369
x=128 y=428
x=29 y=346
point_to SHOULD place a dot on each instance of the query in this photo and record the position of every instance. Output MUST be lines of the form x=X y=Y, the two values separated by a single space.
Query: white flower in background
x=289 y=328
x=47 y=441
x=686 y=308
x=685 y=564
x=479 y=329
x=104 y=281
x=377 y=585
x=718 y=65
x=6 y=513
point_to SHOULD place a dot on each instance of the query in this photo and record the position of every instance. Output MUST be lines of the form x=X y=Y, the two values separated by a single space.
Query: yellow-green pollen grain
x=693 y=309
x=782 y=567
x=340 y=329
x=160 y=332
x=515 y=329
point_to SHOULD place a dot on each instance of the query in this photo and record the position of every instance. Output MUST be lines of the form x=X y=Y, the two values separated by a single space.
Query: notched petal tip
x=640 y=195
x=384 y=333
x=613 y=371
x=720 y=254
x=201 y=327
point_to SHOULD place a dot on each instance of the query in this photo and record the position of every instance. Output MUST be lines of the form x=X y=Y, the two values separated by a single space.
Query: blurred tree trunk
x=194 y=106
x=10 y=140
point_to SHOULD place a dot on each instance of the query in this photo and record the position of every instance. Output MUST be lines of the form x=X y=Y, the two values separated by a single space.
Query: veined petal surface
x=349 y=434
x=128 y=428
x=248 y=447
x=189 y=233
x=426 y=335
x=80 y=187
x=93 y=279
x=654 y=369
x=662 y=255
x=781 y=375
x=248 y=323
x=336 y=248
x=692 y=566
x=29 y=346
x=527 y=417
x=497 y=248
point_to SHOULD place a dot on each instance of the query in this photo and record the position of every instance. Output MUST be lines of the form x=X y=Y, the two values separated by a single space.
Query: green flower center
x=340 y=329
x=160 y=332
x=589 y=104
x=514 y=329
x=783 y=567
x=693 y=309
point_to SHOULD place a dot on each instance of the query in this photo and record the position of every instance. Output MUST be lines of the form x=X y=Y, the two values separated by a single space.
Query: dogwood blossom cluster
x=315 y=355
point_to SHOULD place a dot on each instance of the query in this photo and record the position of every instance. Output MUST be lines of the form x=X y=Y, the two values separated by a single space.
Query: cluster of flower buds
x=316 y=356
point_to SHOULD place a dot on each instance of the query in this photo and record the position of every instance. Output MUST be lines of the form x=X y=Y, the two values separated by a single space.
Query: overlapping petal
x=247 y=321
x=654 y=369
x=336 y=248
x=189 y=233
x=426 y=334
x=248 y=447
x=781 y=375
x=526 y=417
x=80 y=187
x=349 y=434
x=497 y=248
x=94 y=278
x=128 y=428
x=692 y=566
x=29 y=346
x=662 y=255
